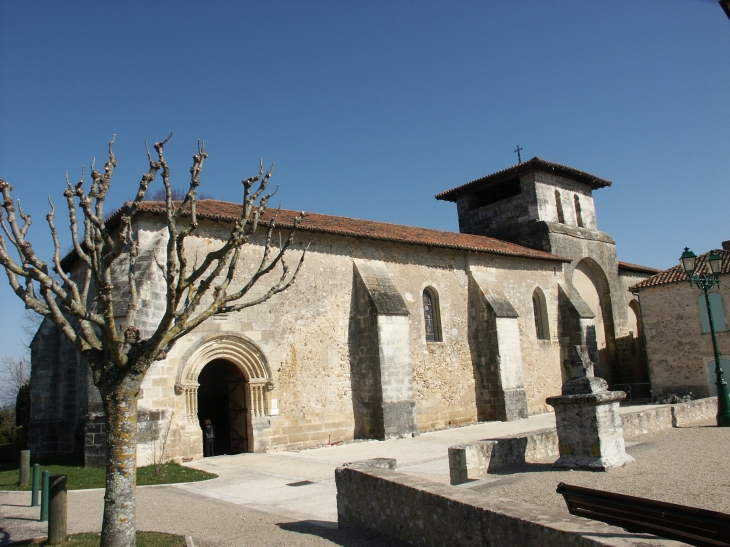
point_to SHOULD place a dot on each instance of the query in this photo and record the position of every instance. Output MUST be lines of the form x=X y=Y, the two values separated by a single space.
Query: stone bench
x=473 y=461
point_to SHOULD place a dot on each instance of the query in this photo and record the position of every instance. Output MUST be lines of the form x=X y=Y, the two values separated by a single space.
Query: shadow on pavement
x=525 y=468
x=6 y=540
x=347 y=537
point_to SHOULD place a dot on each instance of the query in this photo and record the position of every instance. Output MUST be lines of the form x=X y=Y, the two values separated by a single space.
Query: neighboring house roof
x=381 y=231
x=676 y=274
x=637 y=268
x=535 y=163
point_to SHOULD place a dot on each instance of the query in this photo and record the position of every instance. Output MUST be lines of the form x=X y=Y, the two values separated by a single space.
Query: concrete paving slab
x=292 y=491
x=261 y=480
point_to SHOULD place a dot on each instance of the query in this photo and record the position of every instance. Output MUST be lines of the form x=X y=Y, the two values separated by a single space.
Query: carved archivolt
x=236 y=349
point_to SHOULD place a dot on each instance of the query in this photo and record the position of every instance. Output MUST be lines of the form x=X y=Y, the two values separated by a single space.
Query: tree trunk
x=120 y=406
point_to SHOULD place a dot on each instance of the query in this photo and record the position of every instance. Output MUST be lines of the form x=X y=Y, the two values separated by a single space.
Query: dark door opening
x=222 y=400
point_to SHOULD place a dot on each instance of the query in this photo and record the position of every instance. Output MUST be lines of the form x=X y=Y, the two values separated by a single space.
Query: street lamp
x=706 y=281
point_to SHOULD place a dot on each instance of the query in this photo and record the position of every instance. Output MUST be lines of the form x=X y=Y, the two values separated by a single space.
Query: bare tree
x=178 y=194
x=15 y=373
x=82 y=307
x=30 y=323
x=159 y=445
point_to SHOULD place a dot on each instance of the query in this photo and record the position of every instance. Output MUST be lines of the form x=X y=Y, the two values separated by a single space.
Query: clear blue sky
x=370 y=108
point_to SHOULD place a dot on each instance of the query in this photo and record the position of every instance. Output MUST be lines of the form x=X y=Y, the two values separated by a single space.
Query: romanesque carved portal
x=226 y=379
x=222 y=400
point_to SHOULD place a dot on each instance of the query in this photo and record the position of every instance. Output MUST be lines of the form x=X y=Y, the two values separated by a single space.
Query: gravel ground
x=210 y=522
x=686 y=465
x=689 y=466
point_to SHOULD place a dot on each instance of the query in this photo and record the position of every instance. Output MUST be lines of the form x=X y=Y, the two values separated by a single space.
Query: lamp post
x=706 y=281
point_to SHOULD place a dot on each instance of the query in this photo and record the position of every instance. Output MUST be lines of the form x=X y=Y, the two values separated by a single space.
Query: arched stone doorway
x=222 y=400
x=591 y=283
x=225 y=378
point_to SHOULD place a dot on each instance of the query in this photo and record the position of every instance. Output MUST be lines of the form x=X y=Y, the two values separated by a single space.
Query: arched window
x=559 y=205
x=431 y=315
x=578 y=213
x=542 y=330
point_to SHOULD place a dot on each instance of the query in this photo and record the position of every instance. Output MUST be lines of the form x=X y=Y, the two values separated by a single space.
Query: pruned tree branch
x=82 y=303
x=78 y=293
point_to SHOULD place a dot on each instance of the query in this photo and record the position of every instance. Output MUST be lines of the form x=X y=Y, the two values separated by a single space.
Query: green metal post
x=58 y=513
x=723 y=399
x=45 y=495
x=36 y=485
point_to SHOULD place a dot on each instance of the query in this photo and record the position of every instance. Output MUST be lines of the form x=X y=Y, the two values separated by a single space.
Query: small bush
x=673 y=399
x=22 y=416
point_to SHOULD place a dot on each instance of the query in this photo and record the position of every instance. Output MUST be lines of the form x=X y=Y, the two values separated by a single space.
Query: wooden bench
x=640 y=515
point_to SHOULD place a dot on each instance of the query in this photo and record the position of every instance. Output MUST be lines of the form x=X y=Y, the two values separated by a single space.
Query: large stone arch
x=592 y=284
x=236 y=349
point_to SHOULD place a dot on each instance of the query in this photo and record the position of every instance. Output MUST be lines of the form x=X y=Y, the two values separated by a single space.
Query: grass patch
x=144 y=539
x=80 y=477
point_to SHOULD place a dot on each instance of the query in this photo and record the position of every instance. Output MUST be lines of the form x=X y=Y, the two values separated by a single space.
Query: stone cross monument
x=590 y=433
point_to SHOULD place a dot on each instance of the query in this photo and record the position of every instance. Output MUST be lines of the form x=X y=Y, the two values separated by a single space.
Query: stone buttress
x=382 y=371
x=495 y=343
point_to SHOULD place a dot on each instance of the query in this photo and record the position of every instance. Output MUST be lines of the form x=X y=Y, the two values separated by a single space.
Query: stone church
x=389 y=330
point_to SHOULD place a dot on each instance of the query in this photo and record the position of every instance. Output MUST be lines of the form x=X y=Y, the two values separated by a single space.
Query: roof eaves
x=522 y=252
x=676 y=274
x=637 y=268
x=585 y=177
x=539 y=255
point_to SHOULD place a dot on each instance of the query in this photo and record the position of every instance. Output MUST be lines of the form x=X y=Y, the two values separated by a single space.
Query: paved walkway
x=302 y=484
x=280 y=498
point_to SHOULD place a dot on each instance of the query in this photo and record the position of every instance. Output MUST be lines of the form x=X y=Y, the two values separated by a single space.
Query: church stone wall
x=58 y=394
x=545 y=185
x=531 y=219
x=629 y=279
x=527 y=217
x=367 y=394
x=320 y=340
x=325 y=342
x=517 y=279
x=329 y=362
x=600 y=251
x=490 y=218
x=443 y=380
x=396 y=376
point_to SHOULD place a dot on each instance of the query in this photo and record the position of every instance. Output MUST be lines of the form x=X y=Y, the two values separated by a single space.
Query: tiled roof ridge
x=637 y=268
x=370 y=229
x=595 y=182
x=676 y=274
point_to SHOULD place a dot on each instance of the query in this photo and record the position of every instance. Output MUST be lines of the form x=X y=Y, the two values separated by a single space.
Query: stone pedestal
x=590 y=431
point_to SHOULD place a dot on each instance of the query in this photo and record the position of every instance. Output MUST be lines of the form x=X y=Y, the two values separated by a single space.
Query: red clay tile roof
x=381 y=231
x=637 y=268
x=535 y=163
x=676 y=274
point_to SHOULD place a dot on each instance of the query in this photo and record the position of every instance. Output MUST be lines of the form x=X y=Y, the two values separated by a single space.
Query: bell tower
x=535 y=204
x=548 y=206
